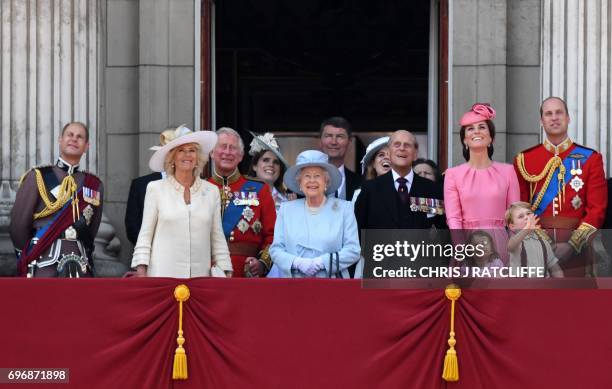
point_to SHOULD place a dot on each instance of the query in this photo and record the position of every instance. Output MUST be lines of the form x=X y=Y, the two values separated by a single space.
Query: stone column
x=49 y=76
x=479 y=67
x=576 y=59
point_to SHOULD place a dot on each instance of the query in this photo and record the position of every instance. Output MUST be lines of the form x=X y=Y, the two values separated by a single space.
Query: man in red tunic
x=247 y=208
x=565 y=184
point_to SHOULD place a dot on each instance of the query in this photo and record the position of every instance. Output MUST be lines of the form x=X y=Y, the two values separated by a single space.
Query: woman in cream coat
x=181 y=234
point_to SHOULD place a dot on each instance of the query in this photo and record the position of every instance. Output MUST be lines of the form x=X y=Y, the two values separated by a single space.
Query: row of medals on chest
x=576 y=183
x=247 y=199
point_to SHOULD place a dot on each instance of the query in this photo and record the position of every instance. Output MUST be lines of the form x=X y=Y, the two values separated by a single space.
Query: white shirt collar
x=409 y=176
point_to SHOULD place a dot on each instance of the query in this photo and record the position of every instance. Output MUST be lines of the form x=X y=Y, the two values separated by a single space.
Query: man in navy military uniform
x=57 y=213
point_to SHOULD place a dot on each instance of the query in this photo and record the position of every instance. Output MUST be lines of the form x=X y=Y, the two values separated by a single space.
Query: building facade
x=130 y=68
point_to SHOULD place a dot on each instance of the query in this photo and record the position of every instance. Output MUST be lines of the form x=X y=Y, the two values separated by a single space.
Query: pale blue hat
x=312 y=158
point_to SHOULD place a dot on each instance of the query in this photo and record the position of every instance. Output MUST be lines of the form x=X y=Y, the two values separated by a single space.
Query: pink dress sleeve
x=514 y=190
x=452 y=202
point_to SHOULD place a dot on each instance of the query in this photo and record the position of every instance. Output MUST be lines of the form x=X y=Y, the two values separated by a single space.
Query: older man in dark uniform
x=565 y=184
x=57 y=213
x=247 y=208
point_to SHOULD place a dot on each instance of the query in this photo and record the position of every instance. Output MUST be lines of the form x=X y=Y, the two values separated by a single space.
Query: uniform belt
x=243 y=249
x=559 y=222
x=559 y=228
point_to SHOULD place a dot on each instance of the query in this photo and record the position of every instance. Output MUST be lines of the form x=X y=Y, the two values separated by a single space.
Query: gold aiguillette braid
x=548 y=171
x=67 y=190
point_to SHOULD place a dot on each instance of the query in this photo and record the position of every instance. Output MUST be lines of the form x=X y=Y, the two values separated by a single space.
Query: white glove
x=308 y=266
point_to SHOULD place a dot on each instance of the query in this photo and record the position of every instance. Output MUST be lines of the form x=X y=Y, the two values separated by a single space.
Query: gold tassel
x=450 y=371
x=179 y=369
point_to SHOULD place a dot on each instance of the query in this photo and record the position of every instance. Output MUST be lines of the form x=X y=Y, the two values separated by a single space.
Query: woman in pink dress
x=478 y=192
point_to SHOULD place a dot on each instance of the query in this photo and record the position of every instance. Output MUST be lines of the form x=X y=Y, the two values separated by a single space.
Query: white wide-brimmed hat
x=371 y=151
x=312 y=158
x=182 y=135
x=268 y=143
x=166 y=136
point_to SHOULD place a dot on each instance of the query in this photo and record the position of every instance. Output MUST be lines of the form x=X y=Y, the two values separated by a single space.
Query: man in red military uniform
x=247 y=208
x=565 y=184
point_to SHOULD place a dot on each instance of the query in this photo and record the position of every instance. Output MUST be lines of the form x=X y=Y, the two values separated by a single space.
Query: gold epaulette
x=548 y=172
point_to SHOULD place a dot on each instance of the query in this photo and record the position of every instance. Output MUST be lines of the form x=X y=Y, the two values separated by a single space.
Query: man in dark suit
x=335 y=138
x=135 y=204
x=138 y=190
x=400 y=199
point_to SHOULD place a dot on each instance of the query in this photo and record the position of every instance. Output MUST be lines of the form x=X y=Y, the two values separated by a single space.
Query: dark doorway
x=284 y=65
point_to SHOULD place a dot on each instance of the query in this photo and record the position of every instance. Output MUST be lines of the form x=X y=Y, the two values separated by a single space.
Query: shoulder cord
x=67 y=191
x=548 y=171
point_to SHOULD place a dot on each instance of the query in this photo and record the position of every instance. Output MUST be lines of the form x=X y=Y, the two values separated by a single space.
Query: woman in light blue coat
x=315 y=236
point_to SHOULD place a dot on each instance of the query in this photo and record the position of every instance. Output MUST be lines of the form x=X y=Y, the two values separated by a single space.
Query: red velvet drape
x=303 y=334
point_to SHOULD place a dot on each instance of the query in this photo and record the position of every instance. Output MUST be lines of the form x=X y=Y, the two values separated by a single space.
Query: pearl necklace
x=315 y=210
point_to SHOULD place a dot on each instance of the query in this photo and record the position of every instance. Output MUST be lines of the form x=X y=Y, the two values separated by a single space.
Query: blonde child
x=525 y=246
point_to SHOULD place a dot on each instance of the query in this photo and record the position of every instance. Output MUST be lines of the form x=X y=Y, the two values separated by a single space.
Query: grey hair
x=231 y=131
x=414 y=138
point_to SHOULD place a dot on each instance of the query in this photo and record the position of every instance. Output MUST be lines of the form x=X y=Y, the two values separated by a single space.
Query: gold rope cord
x=179 y=368
x=548 y=171
x=450 y=370
x=67 y=191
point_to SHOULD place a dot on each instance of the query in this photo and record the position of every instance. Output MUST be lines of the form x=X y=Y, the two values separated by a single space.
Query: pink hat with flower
x=478 y=113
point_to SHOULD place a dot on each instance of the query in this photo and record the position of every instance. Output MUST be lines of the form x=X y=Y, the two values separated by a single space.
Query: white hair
x=231 y=131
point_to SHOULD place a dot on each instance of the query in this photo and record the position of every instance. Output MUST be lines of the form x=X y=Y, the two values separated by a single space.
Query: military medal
x=91 y=196
x=88 y=214
x=413 y=206
x=238 y=198
x=256 y=227
x=576 y=202
x=248 y=213
x=243 y=226
x=423 y=205
x=432 y=208
x=246 y=198
x=579 y=170
x=253 y=198
x=70 y=233
x=576 y=183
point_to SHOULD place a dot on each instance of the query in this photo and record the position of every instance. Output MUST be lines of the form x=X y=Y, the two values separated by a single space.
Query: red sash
x=60 y=224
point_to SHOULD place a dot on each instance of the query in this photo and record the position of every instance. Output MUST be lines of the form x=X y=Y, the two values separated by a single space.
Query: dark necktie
x=402 y=190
